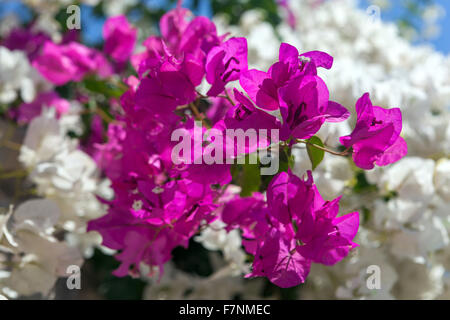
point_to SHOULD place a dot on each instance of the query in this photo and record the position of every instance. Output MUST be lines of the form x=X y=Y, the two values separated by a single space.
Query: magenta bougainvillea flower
x=194 y=168
x=28 y=111
x=173 y=24
x=376 y=137
x=200 y=34
x=245 y=116
x=292 y=230
x=305 y=107
x=225 y=63
x=218 y=109
x=277 y=259
x=162 y=199
x=62 y=63
x=159 y=204
x=120 y=38
x=148 y=223
x=26 y=40
x=183 y=34
x=307 y=231
x=165 y=91
x=292 y=86
x=54 y=65
x=175 y=63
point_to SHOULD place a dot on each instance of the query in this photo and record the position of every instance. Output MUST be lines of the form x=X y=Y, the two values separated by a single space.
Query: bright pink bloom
x=261 y=89
x=81 y=57
x=376 y=137
x=218 y=110
x=245 y=116
x=60 y=64
x=54 y=65
x=225 y=63
x=288 y=196
x=108 y=155
x=28 y=111
x=197 y=170
x=200 y=34
x=305 y=107
x=329 y=238
x=165 y=91
x=149 y=223
x=26 y=40
x=160 y=205
x=120 y=38
x=296 y=229
x=292 y=86
x=173 y=24
x=251 y=215
x=278 y=260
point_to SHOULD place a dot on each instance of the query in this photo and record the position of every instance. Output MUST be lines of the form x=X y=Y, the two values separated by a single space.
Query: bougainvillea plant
x=189 y=124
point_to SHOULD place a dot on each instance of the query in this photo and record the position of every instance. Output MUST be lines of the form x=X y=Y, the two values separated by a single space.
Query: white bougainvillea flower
x=33 y=258
x=17 y=77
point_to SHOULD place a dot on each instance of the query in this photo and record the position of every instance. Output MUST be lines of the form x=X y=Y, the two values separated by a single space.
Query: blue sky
x=442 y=43
x=92 y=24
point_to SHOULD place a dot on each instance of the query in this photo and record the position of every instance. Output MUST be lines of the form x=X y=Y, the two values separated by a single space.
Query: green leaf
x=365 y=215
x=315 y=154
x=103 y=87
x=362 y=185
x=251 y=178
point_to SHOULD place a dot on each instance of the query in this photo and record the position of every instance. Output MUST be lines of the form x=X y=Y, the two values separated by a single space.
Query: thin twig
x=14 y=174
x=198 y=115
x=11 y=145
x=342 y=154
x=201 y=95
x=182 y=107
x=104 y=115
x=227 y=97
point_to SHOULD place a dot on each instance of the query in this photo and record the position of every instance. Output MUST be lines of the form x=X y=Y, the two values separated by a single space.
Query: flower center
x=242 y=112
x=295 y=116
x=375 y=122
x=229 y=73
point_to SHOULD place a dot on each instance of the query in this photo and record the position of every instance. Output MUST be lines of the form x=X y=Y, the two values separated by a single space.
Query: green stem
x=14 y=174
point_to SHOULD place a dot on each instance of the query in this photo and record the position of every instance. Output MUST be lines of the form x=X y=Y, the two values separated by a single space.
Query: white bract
x=31 y=258
x=61 y=171
x=215 y=237
x=17 y=77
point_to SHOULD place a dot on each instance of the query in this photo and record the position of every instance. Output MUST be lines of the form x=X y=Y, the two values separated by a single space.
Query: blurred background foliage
x=419 y=20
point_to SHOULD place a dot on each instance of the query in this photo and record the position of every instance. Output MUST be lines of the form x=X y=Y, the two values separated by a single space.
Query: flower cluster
x=159 y=205
x=89 y=119
x=292 y=229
